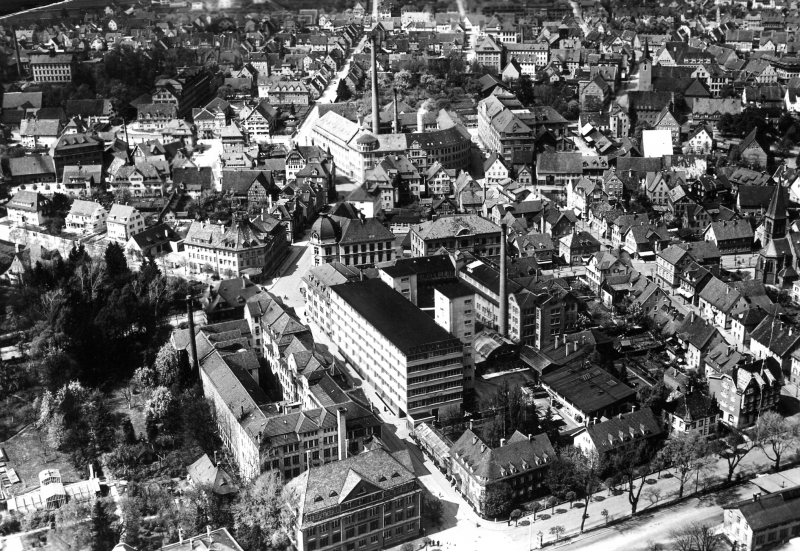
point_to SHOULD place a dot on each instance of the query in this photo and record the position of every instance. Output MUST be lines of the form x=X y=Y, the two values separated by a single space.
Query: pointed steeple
x=646 y=53
x=775 y=218
x=777 y=205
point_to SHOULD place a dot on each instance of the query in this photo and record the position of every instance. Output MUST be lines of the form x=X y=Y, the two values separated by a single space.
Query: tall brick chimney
x=195 y=361
x=503 y=321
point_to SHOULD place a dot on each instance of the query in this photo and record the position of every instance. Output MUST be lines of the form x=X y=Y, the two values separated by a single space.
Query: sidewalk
x=460 y=529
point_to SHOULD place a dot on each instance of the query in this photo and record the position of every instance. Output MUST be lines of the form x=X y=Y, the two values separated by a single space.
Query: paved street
x=303 y=134
x=640 y=533
x=286 y=284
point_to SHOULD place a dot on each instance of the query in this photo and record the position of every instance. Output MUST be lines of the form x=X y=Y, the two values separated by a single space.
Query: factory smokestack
x=192 y=338
x=396 y=121
x=503 y=326
x=376 y=116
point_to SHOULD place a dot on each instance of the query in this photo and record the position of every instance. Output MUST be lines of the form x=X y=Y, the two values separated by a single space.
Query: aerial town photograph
x=399 y=275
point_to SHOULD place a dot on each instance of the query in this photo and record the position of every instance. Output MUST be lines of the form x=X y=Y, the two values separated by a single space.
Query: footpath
x=466 y=531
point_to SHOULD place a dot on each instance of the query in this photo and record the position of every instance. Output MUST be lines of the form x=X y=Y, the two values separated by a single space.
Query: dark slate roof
x=702 y=251
x=752 y=197
x=589 y=389
x=155 y=235
x=24 y=166
x=334 y=483
x=778 y=337
x=520 y=452
x=391 y=314
x=362 y=231
x=238 y=182
x=455 y=290
x=194 y=178
x=88 y=107
x=733 y=229
x=428 y=264
x=649 y=101
x=691 y=407
x=771 y=510
x=642 y=165
x=14 y=100
x=623 y=429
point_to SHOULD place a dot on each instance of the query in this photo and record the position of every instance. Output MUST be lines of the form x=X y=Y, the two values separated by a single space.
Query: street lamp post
x=530 y=531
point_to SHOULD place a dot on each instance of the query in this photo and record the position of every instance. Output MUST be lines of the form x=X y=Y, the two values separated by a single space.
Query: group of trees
x=124 y=75
x=743 y=123
x=435 y=83
x=77 y=420
x=93 y=323
x=263 y=514
x=507 y=411
x=576 y=475
x=94 y=320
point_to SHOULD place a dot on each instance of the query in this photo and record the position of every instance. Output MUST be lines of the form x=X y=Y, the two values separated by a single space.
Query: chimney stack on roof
x=341 y=425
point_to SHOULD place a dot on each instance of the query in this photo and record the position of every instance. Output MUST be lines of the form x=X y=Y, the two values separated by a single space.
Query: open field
x=28 y=455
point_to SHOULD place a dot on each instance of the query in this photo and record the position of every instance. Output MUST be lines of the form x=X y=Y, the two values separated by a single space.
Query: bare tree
x=775 y=435
x=653 y=495
x=557 y=531
x=696 y=537
x=686 y=452
x=129 y=394
x=733 y=448
x=630 y=466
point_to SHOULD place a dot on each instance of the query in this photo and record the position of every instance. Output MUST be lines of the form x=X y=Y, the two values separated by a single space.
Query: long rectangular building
x=416 y=366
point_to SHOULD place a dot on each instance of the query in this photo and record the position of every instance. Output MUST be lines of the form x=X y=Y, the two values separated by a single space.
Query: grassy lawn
x=28 y=455
x=119 y=406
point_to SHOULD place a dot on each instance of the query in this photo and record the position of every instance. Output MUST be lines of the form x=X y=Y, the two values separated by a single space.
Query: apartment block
x=416 y=366
x=368 y=502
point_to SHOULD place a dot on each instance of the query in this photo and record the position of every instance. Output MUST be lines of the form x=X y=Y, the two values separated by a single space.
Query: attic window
x=395 y=475
x=333 y=493
x=382 y=479
x=317 y=499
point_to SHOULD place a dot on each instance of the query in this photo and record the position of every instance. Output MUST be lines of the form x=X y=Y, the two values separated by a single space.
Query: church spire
x=646 y=53
x=777 y=205
x=775 y=218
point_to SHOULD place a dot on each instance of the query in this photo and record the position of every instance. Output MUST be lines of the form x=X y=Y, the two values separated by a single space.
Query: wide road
x=288 y=283
x=647 y=529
